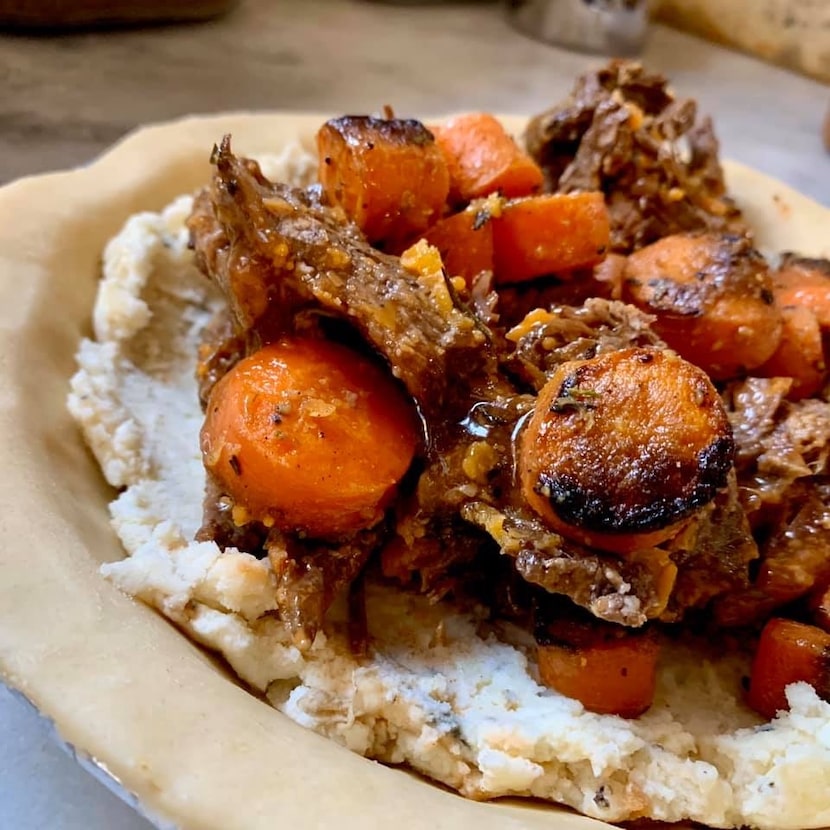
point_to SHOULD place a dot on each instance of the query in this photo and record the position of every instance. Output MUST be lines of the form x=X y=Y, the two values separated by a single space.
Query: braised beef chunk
x=221 y=348
x=621 y=131
x=547 y=338
x=615 y=590
x=778 y=442
x=783 y=463
x=712 y=554
x=311 y=574
x=275 y=250
x=474 y=360
x=794 y=557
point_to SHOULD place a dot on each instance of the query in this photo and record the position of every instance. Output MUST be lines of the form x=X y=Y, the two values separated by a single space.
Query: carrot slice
x=549 y=234
x=308 y=435
x=483 y=158
x=388 y=175
x=805 y=282
x=465 y=244
x=712 y=297
x=800 y=351
x=581 y=453
x=788 y=652
x=608 y=669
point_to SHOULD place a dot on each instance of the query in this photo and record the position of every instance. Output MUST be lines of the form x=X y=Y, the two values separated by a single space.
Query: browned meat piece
x=795 y=557
x=624 y=591
x=777 y=441
x=712 y=554
x=280 y=250
x=753 y=406
x=546 y=339
x=221 y=348
x=310 y=575
x=603 y=281
x=218 y=524
x=619 y=132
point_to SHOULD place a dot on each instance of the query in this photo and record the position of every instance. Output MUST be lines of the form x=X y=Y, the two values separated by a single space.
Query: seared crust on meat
x=621 y=131
x=275 y=249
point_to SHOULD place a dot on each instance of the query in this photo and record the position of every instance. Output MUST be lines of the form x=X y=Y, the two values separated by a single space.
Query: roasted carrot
x=622 y=448
x=801 y=288
x=800 y=352
x=549 y=234
x=483 y=159
x=389 y=176
x=465 y=245
x=805 y=282
x=712 y=297
x=788 y=652
x=308 y=435
x=608 y=669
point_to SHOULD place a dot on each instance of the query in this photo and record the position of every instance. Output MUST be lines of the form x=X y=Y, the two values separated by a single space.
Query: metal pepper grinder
x=610 y=27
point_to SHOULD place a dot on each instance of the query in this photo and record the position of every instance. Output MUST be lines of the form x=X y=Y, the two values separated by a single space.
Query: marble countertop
x=64 y=99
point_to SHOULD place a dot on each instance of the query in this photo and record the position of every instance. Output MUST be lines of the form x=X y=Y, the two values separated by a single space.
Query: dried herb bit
x=576 y=398
x=465 y=308
x=482 y=217
x=600 y=800
x=235 y=465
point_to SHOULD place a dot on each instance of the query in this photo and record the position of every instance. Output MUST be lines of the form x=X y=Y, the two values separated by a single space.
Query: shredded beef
x=612 y=589
x=621 y=131
x=546 y=339
x=794 y=557
x=275 y=249
x=311 y=574
x=777 y=441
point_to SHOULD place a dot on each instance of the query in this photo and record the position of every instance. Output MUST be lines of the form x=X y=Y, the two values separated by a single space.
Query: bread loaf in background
x=792 y=33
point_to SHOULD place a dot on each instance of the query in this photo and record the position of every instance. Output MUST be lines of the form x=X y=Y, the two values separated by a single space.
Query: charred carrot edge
x=389 y=176
x=788 y=652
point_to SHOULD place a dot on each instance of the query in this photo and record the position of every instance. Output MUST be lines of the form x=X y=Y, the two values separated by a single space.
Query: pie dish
x=122 y=685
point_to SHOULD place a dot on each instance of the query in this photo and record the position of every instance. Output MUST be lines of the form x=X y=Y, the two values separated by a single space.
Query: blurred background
x=77 y=75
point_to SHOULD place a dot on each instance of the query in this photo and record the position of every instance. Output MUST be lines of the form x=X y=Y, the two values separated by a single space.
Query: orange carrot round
x=624 y=447
x=788 y=652
x=712 y=298
x=308 y=435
